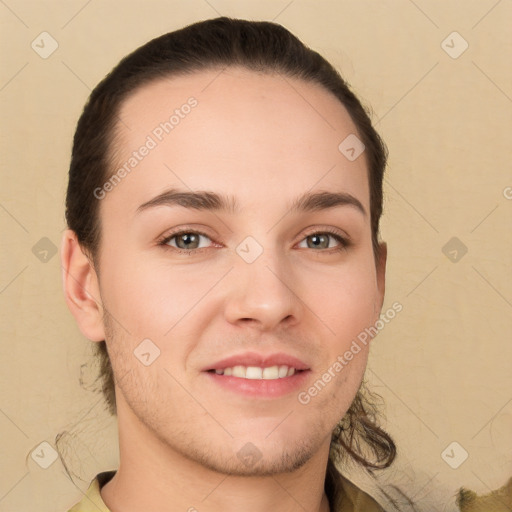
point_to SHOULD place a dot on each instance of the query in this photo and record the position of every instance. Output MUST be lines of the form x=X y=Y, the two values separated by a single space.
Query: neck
x=153 y=476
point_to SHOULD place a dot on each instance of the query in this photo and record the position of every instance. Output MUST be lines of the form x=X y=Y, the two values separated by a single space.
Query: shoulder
x=92 y=501
x=355 y=499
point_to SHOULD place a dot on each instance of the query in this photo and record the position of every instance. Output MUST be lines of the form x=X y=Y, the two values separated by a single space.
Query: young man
x=223 y=207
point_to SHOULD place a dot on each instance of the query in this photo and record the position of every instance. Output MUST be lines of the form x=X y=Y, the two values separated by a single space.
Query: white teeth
x=283 y=371
x=239 y=371
x=272 y=372
x=257 y=373
x=253 y=372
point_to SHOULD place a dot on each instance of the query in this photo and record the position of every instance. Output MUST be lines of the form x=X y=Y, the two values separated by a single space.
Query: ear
x=380 y=264
x=81 y=288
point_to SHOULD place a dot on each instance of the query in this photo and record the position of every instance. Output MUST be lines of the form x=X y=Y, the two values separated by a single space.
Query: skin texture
x=265 y=140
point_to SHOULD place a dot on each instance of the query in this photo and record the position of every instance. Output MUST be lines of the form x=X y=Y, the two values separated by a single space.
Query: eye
x=322 y=240
x=186 y=241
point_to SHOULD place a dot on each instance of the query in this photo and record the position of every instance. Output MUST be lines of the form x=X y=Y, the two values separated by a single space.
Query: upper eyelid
x=315 y=230
x=167 y=238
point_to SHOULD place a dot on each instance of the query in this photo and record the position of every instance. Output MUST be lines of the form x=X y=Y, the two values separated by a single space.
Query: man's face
x=264 y=286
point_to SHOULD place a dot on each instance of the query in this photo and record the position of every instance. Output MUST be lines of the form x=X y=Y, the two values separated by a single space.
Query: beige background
x=443 y=365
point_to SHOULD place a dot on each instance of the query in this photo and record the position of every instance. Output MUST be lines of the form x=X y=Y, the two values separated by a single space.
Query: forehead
x=233 y=130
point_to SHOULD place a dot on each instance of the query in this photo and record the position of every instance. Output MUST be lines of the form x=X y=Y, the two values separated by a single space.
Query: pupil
x=188 y=239
x=318 y=239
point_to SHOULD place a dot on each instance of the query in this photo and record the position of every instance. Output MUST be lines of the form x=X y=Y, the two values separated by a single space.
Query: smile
x=257 y=373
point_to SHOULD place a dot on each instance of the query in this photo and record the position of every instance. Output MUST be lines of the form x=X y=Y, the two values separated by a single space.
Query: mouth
x=257 y=373
x=259 y=376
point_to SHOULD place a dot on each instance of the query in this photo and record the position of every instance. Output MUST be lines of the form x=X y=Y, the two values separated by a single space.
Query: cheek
x=345 y=300
x=153 y=299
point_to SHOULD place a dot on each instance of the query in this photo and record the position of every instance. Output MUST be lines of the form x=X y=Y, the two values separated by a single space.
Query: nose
x=262 y=294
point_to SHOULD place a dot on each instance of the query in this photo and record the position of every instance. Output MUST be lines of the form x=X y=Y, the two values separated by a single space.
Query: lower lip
x=261 y=388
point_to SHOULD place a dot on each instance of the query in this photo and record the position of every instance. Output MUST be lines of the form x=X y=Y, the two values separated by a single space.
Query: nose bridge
x=261 y=290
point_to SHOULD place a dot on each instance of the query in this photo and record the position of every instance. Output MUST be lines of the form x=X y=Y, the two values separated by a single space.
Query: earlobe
x=81 y=288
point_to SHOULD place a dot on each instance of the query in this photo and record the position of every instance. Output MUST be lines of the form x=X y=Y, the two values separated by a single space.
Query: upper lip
x=261 y=360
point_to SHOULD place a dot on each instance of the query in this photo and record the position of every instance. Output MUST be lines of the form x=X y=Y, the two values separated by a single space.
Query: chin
x=250 y=461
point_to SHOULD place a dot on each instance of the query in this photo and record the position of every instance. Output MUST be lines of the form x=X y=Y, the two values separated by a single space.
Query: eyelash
x=344 y=242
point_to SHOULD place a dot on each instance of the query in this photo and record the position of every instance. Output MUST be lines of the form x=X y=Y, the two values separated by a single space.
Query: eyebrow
x=205 y=200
